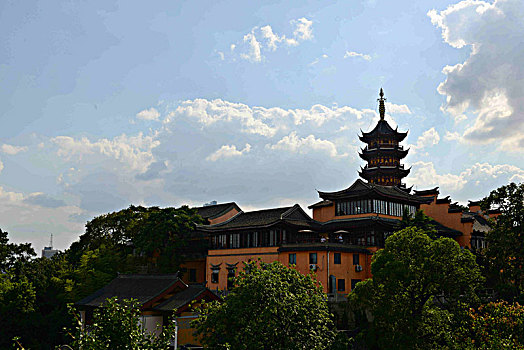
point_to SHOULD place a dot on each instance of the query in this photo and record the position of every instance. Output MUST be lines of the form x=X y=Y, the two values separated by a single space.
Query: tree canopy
x=505 y=251
x=116 y=326
x=417 y=284
x=270 y=307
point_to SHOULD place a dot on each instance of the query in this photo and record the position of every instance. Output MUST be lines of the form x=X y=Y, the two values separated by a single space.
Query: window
x=337 y=258
x=192 y=275
x=230 y=278
x=214 y=276
x=312 y=258
x=292 y=259
x=356 y=260
x=354 y=283
x=341 y=285
x=235 y=240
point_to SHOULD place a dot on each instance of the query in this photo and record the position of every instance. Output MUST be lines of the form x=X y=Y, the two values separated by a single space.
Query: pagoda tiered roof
x=382 y=129
x=398 y=171
x=383 y=150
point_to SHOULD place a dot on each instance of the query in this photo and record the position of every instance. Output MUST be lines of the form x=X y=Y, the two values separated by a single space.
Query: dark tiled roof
x=432 y=191
x=192 y=292
x=382 y=128
x=362 y=189
x=320 y=204
x=443 y=200
x=140 y=287
x=480 y=223
x=212 y=211
x=260 y=218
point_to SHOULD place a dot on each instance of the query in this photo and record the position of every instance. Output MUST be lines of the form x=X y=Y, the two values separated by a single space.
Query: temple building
x=346 y=227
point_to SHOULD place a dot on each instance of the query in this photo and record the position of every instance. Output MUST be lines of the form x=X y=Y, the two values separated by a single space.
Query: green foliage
x=420 y=221
x=505 y=252
x=140 y=236
x=116 y=326
x=496 y=325
x=270 y=307
x=419 y=286
x=13 y=256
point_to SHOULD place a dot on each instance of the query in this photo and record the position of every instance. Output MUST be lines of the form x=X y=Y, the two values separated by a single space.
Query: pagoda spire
x=382 y=105
x=383 y=152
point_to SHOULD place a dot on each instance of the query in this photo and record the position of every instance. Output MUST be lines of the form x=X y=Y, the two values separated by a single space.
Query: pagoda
x=383 y=152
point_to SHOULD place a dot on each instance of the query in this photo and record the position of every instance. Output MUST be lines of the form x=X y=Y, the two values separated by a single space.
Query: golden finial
x=382 y=106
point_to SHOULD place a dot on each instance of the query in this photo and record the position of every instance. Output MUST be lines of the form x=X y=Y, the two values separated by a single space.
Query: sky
x=104 y=104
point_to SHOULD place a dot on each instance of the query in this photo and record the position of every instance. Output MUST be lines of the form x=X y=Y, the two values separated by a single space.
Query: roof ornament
x=382 y=105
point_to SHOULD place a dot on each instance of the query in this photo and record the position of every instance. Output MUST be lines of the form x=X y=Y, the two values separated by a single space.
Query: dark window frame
x=292 y=259
x=337 y=258
x=341 y=285
x=313 y=258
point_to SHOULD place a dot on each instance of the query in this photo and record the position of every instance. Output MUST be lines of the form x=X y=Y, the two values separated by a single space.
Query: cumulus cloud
x=293 y=143
x=263 y=39
x=43 y=200
x=304 y=29
x=132 y=151
x=35 y=216
x=488 y=84
x=397 y=109
x=12 y=150
x=227 y=151
x=148 y=114
x=357 y=54
x=429 y=138
x=480 y=178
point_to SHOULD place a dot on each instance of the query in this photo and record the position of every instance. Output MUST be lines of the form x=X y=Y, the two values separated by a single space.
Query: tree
x=270 y=307
x=116 y=326
x=153 y=236
x=505 y=251
x=496 y=325
x=419 y=286
x=13 y=255
x=420 y=221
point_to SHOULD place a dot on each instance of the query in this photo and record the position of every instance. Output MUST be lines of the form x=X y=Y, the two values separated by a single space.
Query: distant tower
x=383 y=152
x=48 y=252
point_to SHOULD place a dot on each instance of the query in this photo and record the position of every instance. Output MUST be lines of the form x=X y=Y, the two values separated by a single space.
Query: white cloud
x=424 y=175
x=132 y=151
x=253 y=53
x=357 y=54
x=488 y=84
x=148 y=114
x=452 y=136
x=292 y=143
x=304 y=29
x=397 y=109
x=227 y=151
x=263 y=121
x=480 y=178
x=264 y=39
x=12 y=150
x=429 y=137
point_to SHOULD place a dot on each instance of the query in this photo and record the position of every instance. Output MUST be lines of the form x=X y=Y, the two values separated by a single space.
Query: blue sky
x=106 y=104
